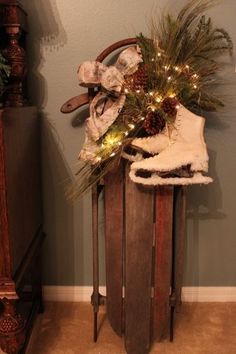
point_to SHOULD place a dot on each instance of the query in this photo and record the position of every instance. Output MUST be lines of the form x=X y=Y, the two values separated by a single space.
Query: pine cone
x=154 y=122
x=169 y=106
x=138 y=81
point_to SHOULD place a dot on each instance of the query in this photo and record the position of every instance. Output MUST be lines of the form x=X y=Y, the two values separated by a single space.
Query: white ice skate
x=151 y=145
x=185 y=149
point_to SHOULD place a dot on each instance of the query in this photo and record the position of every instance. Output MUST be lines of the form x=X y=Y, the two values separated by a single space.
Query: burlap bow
x=108 y=103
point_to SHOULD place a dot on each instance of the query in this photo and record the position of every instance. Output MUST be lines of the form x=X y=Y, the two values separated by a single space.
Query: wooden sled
x=144 y=240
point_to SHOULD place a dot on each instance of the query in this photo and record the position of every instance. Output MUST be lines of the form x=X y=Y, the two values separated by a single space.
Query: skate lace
x=175 y=127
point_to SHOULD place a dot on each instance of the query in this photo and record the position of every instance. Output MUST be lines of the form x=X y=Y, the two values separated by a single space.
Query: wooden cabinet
x=21 y=233
x=20 y=226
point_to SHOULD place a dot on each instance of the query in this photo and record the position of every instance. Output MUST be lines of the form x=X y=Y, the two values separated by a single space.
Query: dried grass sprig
x=188 y=39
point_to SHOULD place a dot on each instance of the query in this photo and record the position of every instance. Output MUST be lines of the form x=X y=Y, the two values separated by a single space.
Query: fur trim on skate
x=153 y=144
x=163 y=165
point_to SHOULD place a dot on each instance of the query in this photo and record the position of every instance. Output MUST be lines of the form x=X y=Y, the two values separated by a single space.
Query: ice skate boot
x=148 y=146
x=186 y=151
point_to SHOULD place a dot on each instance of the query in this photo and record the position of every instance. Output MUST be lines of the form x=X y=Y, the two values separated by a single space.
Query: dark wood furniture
x=21 y=233
x=13 y=30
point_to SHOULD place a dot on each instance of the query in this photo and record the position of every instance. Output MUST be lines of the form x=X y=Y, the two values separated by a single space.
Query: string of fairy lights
x=113 y=141
x=181 y=59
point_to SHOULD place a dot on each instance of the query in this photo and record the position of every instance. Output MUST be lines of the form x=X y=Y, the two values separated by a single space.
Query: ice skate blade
x=136 y=156
x=156 y=180
x=132 y=158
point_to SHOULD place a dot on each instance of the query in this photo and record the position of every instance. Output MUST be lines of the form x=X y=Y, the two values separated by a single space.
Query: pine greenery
x=182 y=58
x=191 y=41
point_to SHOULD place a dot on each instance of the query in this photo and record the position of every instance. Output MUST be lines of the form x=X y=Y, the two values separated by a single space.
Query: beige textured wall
x=62 y=35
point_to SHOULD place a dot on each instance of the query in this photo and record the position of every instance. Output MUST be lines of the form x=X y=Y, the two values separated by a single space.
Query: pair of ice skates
x=178 y=154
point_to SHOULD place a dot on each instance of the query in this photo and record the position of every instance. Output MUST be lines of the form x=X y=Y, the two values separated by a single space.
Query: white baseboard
x=209 y=294
x=70 y=293
x=189 y=294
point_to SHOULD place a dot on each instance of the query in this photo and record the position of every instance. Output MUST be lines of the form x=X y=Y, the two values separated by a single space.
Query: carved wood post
x=13 y=19
x=11 y=328
x=11 y=324
x=15 y=55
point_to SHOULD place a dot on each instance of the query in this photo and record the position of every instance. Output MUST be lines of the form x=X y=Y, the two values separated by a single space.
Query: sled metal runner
x=96 y=299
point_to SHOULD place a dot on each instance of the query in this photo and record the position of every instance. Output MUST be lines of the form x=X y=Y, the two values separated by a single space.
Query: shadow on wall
x=61 y=245
x=45 y=30
x=205 y=203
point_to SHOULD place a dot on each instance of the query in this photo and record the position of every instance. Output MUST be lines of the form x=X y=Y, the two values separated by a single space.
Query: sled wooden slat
x=163 y=264
x=179 y=232
x=114 y=185
x=138 y=266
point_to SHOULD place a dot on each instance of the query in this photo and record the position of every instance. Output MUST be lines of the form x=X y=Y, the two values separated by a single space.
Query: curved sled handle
x=117 y=45
x=75 y=102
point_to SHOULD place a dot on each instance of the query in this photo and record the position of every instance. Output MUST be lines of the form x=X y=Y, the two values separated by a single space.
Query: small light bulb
x=132 y=126
x=195 y=87
x=142 y=118
x=110 y=141
x=126 y=90
x=176 y=68
x=112 y=154
x=158 y=99
x=151 y=93
x=138 y=91
x=172 y=95
x=177 y=106
x=166 y=67
x=187 y=66
x=159 y=54
x=119 y=143
x=126 y=133
x=169 y=78
x=153 y=59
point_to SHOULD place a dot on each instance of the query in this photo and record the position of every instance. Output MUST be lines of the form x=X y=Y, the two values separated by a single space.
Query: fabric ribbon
x=108 y=103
